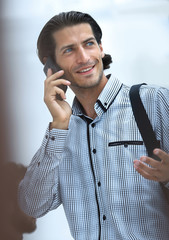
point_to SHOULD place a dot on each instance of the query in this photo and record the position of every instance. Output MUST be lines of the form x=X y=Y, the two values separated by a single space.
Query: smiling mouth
x=86 y=70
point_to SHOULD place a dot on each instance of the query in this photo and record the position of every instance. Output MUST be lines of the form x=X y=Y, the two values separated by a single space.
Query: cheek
x=100 y=56
x=68 y=74
x=66 y=69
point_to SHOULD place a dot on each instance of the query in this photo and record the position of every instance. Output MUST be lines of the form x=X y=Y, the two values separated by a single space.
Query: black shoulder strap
x=143 y=121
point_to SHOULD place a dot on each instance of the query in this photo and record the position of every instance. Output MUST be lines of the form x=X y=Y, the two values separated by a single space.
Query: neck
x=88 y=97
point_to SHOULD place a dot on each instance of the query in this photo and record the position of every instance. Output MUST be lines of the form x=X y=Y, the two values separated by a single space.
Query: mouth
x=86 y=70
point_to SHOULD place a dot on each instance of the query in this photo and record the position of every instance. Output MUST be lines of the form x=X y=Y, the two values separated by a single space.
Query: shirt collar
x=104 y=100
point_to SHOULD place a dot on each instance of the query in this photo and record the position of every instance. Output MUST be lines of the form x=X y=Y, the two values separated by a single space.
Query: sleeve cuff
x=54 y=141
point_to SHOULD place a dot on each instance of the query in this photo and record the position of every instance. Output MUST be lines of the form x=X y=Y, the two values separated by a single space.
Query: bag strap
x=143 y=121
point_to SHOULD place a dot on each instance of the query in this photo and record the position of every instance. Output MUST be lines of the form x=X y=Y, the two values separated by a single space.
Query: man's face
x=79 y=55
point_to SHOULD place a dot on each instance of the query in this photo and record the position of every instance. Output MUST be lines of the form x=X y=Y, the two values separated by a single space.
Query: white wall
x=136 y=33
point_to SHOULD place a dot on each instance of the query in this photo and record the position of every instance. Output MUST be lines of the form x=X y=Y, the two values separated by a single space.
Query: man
x=86 y=159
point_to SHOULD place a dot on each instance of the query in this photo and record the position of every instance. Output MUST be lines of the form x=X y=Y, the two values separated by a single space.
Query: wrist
x=56 y=125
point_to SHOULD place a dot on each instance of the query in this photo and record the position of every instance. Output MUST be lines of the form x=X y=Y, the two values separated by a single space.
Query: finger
x=145 y=171
x=53 y=94
x=58 y=82
x=58 y=74
x=49 y=85
x=142 y=166
x=59 y=92
x=153 y=163
x=53 y=76
x=146 y=175
x=162 y=155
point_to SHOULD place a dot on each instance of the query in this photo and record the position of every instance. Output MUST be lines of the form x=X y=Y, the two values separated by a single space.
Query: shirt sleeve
x=38 y=191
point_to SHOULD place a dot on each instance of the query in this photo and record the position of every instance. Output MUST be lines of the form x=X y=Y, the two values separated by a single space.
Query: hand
x=59 y=109
x=157 y=171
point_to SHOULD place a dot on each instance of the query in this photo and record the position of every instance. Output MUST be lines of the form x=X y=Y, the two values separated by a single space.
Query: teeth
x=86 y=70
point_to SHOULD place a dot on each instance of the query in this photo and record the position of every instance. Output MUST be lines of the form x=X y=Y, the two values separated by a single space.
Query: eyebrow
x=72 y=45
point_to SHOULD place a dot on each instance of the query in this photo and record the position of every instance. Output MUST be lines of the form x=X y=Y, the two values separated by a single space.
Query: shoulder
x=155 y=99
x=150 y=94
x=154 y=93
x=153 y=89
x=150 y=91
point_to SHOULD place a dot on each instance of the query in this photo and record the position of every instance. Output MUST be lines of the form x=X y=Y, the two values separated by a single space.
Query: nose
x=82 y=56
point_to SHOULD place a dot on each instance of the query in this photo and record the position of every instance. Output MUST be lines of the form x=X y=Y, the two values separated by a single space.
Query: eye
x=68 y=50
x=89 y=43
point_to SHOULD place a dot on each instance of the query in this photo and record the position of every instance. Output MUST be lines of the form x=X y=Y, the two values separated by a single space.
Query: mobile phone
x=55 y=68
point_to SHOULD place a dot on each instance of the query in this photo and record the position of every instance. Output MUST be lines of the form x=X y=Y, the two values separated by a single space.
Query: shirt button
x=46 y=136
x=38 y=164
x=52 y=138
x=125 y=145
x=104 y=217
x=94 y=150
x=105 y=103
x=99 y=184
x=93 y=125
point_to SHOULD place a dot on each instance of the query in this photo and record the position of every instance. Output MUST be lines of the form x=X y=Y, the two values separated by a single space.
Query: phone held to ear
x=55 y=68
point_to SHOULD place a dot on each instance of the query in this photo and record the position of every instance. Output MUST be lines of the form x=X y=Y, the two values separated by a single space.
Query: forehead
x=72 y=34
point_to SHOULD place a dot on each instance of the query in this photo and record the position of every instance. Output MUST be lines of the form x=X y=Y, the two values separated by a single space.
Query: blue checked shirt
x=89 y=169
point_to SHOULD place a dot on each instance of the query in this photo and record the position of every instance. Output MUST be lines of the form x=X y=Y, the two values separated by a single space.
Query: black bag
x=145 y=126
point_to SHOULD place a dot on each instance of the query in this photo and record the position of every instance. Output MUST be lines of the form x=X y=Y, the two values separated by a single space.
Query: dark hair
x=46 y=44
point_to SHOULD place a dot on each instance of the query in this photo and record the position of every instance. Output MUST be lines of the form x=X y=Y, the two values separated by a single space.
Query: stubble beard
x=90 y=85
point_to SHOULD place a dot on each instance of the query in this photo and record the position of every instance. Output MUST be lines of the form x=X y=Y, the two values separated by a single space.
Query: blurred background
x=135 y=33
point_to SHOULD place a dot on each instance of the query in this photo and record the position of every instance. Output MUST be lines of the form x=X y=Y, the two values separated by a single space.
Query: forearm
x=39 y=190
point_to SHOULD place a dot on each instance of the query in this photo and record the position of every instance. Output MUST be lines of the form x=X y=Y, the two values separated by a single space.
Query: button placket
x=94 y=152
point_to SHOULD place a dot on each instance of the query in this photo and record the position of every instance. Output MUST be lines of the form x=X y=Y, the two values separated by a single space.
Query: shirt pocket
x=125 y=143
x=130 y=149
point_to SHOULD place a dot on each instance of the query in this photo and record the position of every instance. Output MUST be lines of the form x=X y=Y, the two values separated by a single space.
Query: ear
x=101 y=49
x=44 y=60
